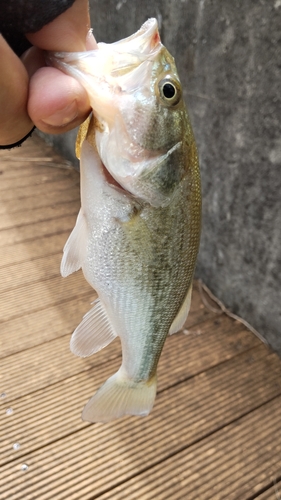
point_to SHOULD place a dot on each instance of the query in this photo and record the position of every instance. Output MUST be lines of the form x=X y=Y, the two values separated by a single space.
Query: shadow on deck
x=215 y=430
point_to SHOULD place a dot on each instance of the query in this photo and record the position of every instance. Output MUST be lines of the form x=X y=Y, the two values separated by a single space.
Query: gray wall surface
x=228 y=58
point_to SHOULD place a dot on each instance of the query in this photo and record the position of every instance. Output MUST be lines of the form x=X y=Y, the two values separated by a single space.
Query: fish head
x=140 y=116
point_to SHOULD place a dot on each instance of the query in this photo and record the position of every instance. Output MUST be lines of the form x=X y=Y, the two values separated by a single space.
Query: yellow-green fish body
x=137 y=233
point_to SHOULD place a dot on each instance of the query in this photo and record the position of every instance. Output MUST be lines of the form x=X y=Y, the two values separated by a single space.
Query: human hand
x=31 y=93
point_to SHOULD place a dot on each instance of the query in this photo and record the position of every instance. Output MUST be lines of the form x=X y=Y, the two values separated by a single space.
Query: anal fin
x=75 y=247
x=182 y=314
x=93 y=333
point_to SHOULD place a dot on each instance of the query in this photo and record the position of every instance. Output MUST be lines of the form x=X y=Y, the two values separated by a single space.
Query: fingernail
x=91 y=43
x=62 y=116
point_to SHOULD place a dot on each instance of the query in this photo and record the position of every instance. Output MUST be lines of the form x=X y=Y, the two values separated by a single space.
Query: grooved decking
x=215 y=430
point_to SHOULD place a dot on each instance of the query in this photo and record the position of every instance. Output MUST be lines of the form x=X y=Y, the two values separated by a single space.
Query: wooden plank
x=38 y=327
x=12 y=163
x=27 y=168
x=28 y=165
x=46 y=415
x=10 y=237
x=272 y=493
x=37 y=200
x=34 y=147
x=56 y=185
x=30 y=298
x=233 y=463
x=217 y=342
x=204 y=448
x=39 y=247
x=184 y=356
x=42 y=177
x=35 y=215
x=33 y=150
x=23 y=273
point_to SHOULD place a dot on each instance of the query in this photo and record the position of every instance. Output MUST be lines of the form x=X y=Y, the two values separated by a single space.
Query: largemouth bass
x=137 y=234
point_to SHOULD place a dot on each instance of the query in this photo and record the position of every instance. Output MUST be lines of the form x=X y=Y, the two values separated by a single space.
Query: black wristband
x=18 y=143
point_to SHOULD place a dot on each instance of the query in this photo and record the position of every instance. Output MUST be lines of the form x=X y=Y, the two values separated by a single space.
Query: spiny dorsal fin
x=94 y=332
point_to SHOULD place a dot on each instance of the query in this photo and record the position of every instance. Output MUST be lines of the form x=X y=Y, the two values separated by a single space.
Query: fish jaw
x=143 y=42
x=112 y=69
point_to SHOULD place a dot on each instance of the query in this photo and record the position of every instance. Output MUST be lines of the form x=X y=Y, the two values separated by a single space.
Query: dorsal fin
x=182 y=314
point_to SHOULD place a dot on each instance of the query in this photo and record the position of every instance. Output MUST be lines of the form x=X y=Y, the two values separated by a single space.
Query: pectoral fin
x=182 y=314
x=75 y=247
x=86 y=131
x=94 y=332
x=81 y=136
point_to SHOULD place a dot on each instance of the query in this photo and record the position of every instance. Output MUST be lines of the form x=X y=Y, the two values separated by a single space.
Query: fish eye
x=170 y=91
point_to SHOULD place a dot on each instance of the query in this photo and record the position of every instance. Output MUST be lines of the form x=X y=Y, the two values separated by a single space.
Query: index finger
x=69 y=32
x=15 y=122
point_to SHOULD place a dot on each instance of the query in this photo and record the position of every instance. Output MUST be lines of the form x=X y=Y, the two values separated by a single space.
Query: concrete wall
x=227 y=57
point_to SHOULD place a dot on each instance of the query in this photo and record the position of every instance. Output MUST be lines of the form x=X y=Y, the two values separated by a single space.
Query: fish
x=137 y=234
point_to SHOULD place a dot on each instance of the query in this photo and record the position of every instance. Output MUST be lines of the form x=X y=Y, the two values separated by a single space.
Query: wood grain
x=215 y=430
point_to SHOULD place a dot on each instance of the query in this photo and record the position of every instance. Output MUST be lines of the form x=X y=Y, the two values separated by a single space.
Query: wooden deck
x=215 y=430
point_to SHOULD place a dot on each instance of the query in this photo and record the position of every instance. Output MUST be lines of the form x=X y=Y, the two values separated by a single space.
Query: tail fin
x=120 y=396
